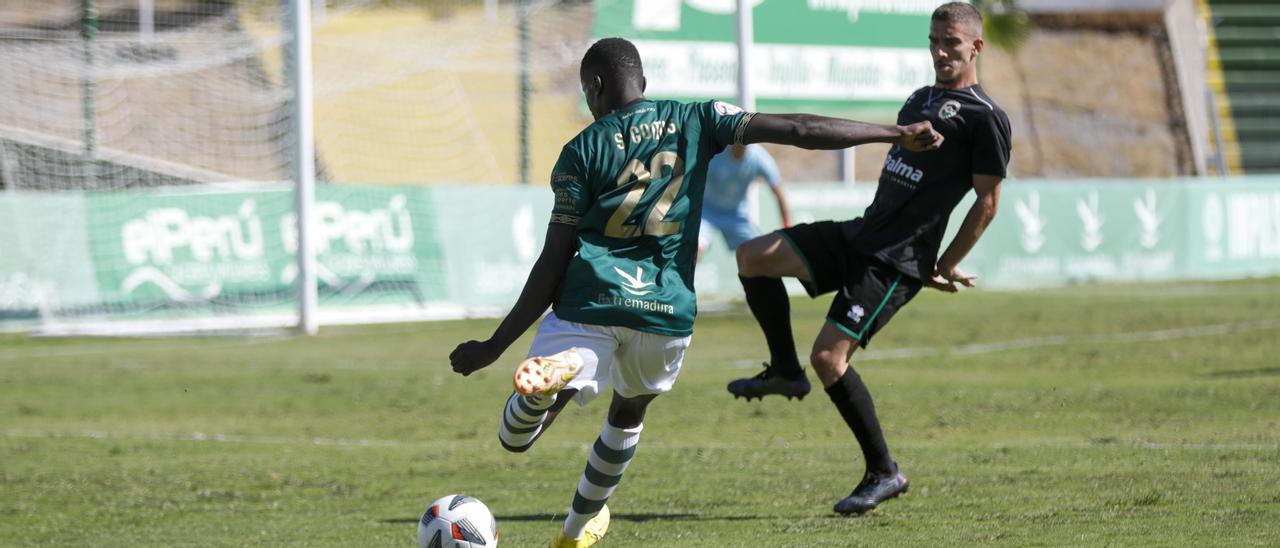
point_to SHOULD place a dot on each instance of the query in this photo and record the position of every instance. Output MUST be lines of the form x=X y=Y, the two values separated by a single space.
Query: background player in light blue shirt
x=729 y=178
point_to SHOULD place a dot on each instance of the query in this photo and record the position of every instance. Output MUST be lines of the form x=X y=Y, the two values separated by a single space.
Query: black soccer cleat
x=873 y=490
x=767 y=383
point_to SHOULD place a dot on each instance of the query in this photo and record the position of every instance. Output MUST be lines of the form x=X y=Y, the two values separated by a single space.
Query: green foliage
x=1072 y=417
x=1005 y=26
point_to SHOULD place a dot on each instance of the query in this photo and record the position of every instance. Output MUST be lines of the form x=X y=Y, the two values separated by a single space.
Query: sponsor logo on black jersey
x=896 y=166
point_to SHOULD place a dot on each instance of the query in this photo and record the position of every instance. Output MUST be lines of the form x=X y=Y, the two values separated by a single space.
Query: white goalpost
x=304 y=163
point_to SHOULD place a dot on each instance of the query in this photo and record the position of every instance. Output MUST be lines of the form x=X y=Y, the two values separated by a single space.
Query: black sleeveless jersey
x=904 y=224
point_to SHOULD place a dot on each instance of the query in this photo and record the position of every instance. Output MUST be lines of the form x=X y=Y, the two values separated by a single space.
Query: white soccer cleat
x=547 y=375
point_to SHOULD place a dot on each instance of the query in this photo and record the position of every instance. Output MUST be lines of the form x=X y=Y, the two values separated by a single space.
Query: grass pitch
x=1133 y=415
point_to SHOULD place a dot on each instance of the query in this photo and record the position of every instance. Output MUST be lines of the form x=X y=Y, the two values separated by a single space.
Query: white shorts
x=635 y=362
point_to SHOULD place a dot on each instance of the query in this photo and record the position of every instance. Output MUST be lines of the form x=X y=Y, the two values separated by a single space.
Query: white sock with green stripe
x=608 y=460
x=522 y=418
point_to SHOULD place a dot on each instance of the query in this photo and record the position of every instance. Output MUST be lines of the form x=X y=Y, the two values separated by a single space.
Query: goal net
x=146 y=156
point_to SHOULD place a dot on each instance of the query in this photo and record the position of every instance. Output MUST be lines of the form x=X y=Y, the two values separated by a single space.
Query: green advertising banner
x=1233 y=229
x=375 y=245
x=153 y=250
x=44 y=259
x=1069 y=233
x=817 y=55
x=236 y=250
x=181 y=253
x=490 y=237
x=1058 y=233
x=386 y=253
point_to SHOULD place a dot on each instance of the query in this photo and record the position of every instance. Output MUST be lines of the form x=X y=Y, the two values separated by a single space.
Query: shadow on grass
x=637 y=518
x=1247 y=373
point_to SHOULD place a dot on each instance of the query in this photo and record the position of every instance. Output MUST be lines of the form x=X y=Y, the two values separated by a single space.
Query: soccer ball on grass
x=457 y=521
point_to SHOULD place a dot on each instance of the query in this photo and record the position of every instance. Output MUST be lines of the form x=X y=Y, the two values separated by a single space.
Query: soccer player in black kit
x=876 y=263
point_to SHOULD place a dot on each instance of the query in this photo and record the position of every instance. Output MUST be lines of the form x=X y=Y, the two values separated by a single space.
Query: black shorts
x=868 y=291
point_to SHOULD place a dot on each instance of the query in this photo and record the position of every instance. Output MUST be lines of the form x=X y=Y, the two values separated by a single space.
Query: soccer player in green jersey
x=617 y=264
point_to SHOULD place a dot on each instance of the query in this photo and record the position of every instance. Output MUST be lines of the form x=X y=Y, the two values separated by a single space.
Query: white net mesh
x=98 y=113
x=190 y=104
x=405 y=92
x=412 y=92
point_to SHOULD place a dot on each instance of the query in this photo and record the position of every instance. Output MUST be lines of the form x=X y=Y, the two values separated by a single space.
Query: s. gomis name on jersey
x=651 y=131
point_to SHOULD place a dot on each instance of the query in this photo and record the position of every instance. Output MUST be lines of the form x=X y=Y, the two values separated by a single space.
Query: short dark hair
x=958 y=12
x=612 y=57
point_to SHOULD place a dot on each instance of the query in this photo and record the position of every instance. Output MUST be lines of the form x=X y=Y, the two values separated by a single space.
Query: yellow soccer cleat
x=547 y=375
x=595 y=530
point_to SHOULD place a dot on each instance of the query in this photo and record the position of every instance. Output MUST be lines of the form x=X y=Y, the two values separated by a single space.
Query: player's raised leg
x=540 y=394
x=525 y=418
x=762 y=263
x=882 y=479
x=565 y=362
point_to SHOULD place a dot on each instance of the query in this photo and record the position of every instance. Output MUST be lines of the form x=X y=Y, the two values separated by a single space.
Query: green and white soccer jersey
x=632 y=185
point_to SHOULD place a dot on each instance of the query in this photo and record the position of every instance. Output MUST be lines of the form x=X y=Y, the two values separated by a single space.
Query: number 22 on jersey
x=635 y=173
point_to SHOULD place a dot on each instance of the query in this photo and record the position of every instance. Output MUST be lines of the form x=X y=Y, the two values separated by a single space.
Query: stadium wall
x=156 y=260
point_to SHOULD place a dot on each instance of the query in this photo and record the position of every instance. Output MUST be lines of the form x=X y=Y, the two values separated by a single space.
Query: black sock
x=853 y=400
x=767 y=298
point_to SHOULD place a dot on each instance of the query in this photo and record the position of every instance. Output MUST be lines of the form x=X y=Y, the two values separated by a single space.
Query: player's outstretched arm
x=947 y=273
x=824 y=133
x=538 y=293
